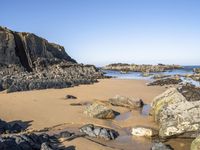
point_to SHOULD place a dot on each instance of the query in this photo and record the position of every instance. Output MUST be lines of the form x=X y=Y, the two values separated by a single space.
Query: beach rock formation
x=197 y=70
x=25 y=142
x=165 y=81
x=195 y=144
x=144 y=131
x=177 y=112
x=100 y=111
x=126 y=102
x=99 y=132
x=140 y=68
x=161 y=146
x=30 y=62
x=6 y=127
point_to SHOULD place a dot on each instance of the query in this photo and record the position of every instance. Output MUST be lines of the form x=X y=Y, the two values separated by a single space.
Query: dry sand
x=47 y=108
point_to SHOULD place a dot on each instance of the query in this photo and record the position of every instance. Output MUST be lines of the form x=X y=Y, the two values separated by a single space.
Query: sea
x=138 y=75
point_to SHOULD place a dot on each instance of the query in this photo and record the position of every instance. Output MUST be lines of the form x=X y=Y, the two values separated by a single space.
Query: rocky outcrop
x=197 y=70
x=144 y=131
x=126 y=102
x=99 y=132
x=165 y=81
x=100 y=111
x=30 y=62
x=140 y=68
x=177 y=112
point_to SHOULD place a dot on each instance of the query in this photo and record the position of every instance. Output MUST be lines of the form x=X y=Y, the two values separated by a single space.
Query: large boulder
x=100 y=111
x=176 y=112
x=126 y=102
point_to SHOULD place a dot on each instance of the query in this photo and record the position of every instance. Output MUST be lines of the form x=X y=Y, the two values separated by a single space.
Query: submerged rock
x=176 y=113
x=144 y=131
x=165 y=81
x=126 y=102
x=161 y=146
x=100 y=111
x=99 y=132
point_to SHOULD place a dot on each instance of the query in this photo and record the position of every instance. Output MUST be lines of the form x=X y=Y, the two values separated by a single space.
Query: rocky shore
x=140 y=68
x=30 y=62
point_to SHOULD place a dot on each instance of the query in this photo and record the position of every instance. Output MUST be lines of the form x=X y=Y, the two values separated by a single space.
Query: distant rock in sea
x=140 y=68
x=30 y=62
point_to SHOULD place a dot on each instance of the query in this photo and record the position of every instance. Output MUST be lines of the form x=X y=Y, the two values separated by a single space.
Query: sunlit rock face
x=30 y=62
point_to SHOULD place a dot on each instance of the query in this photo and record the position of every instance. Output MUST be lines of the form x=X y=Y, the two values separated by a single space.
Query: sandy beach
x=49 y=108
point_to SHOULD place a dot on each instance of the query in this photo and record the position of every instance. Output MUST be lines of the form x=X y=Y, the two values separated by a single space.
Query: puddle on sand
x=146 y=110
x=123 y=116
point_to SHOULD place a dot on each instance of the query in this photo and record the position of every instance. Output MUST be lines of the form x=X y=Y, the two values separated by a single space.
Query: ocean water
x=138 y=75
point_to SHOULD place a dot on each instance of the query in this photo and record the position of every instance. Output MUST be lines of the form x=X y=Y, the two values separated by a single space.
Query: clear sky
x=106 y=31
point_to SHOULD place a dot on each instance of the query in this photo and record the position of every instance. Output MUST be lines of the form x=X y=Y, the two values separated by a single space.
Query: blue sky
x=106 y=31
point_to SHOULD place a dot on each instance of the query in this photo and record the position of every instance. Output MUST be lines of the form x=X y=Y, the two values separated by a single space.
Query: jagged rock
x=9 y=128
x=165 y=81
x=140 y=68
x=24 y=142
x=30 y=62
x=46 y=146
x=161 y=146
x=177 y=113
x=144 y=131
x=126 y=102
x=99 y=132
x=100 y=111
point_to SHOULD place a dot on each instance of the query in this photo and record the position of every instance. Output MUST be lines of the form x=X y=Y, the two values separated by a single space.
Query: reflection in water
x=124 y=116
x=146 y=110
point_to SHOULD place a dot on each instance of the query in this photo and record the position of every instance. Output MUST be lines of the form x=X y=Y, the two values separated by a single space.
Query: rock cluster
x=30 y=62
x=6 y=127
x=99 y=132
x=177 y=111
x=140 y=68
x=165 y=81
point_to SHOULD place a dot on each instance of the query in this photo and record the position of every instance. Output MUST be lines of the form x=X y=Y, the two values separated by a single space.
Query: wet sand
x=47 y=108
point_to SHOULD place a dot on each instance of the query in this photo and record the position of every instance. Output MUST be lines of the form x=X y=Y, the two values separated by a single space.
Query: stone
x=126 y=102
x=100 y=111
x=161 y=146
x=144 y=131
x=195 y=144
x=99 y=132
x=46 y=146
x=70 y=97
x=177 y=114
x=165 y=81
x=196 y=70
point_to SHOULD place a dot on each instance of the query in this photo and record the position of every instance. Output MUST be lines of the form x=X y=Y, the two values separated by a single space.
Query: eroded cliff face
x=30 y=62
x=24 y=49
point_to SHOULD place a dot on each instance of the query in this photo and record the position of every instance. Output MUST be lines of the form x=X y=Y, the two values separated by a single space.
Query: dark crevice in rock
x=21 y=53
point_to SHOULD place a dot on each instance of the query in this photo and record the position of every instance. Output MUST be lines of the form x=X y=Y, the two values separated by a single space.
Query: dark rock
x=165 y=81
x=64 y=134
x=70 y=97
x=99 y=132
x=161 y=146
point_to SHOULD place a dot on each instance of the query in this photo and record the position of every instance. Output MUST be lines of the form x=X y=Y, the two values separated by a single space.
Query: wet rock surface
x=165 y=81
x=161 y=146
x=177 y=112
x=100 y=111
x=30 y=62
x=140 y=68
x=126 y=102
x=99 y=132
